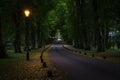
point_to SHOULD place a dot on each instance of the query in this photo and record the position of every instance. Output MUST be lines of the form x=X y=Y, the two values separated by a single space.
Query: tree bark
x=97 y=32
x=33 y=37
x=39 y=36
x=84 y=27
x=17 y=42
x=78 y=27
x=16 y=17
x=3 y=53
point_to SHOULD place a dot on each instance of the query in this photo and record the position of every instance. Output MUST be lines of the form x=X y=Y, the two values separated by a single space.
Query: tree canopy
x=86 y=24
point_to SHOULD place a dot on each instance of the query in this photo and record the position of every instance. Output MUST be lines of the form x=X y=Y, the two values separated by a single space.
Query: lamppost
x=27 y=14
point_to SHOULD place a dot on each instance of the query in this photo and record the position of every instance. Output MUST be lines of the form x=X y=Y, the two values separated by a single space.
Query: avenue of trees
x=86 y=24
x=12 y=23
x=96 y=20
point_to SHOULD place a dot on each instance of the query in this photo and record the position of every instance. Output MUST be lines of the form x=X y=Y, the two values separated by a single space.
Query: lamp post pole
x=27 y=13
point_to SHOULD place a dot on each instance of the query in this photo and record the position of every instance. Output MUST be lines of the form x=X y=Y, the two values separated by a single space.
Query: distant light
x=111 y=33
x=59 y=39
x=27 y=13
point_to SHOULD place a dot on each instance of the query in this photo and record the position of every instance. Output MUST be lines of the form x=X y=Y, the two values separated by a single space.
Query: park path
x=77 y=67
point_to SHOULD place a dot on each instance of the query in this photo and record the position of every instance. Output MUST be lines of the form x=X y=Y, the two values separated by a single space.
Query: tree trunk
x=17 y=42
x=3 y=53
x=107 y=39
x=84 y=27
x=78 y=27
x=97 y=32
x=39 y=36
x=33 y=37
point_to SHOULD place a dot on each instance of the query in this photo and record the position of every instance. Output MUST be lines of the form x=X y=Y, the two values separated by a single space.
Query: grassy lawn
x=17 y=68
x=112 y=55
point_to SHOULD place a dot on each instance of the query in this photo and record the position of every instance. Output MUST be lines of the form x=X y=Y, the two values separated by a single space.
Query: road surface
x=82 y=68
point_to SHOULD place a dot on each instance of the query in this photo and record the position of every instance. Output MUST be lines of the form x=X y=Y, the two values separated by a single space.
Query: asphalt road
x=82 y=68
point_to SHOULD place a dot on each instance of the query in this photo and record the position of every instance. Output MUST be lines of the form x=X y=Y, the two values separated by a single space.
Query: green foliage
x=75 y=21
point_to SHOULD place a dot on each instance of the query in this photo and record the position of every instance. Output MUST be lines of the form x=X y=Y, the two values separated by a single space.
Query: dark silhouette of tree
x=3 y=52
x=17 y=17
x=97 y=36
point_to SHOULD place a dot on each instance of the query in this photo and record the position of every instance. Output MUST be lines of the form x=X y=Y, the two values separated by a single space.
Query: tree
x=3 y=53
x=98 y=41
x=17 y=18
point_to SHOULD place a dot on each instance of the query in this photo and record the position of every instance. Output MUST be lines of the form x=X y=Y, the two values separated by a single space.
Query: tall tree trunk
x=39 y=35
x=97 y=34
x=107 y=42
x=103 y=45
x=78 y=27
x=16 y=17
x=33 y=37
x=17 y=43
x=3 y=52
x=84 y=27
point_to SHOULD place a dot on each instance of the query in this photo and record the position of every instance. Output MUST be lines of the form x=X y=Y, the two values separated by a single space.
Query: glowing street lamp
x=27 y=14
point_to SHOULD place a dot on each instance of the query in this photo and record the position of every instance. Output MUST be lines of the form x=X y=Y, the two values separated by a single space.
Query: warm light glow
x=27 y=13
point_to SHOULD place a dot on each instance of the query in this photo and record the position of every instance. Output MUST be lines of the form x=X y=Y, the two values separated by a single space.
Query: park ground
x=17 y=68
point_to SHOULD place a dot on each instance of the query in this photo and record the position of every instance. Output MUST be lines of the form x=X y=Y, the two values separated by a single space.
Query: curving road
x=82 y=68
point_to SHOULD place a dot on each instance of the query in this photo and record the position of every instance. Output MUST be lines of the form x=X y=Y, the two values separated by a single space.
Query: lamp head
x=26 y=12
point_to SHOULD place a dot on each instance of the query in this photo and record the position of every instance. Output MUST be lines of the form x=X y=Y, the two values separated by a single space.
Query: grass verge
x=111 y=55
x=17 y=68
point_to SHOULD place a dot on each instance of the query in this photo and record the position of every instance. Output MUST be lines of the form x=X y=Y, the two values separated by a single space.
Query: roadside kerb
x=83 y=53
